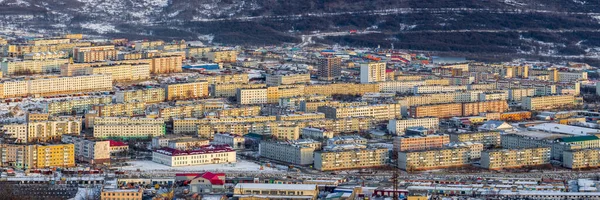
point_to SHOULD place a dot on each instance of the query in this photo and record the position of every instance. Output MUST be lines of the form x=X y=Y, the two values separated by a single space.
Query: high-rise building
x=329 y=68
x=372 y=72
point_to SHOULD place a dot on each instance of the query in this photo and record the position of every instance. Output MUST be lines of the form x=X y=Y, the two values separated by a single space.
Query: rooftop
x=200 y=150
x=578 y=138
x=246 y=186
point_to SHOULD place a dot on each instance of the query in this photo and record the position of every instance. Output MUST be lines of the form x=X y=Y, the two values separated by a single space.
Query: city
x=85 y=117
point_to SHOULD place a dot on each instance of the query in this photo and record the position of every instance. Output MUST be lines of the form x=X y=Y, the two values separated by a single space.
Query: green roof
x=578 y=138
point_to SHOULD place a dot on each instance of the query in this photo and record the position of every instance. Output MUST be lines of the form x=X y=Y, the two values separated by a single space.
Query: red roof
x=214 y=178
x=201 y=150
x=389 y=70
x=116 y=143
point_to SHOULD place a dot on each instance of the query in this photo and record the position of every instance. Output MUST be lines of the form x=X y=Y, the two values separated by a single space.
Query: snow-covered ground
x=241 y=165
x=86 y=193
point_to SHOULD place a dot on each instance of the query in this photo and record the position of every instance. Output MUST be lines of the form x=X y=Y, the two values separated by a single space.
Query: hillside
x=502 y=28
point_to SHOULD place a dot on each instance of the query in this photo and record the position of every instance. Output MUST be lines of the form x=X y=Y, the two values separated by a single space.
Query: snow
x=241 y=165
x=86 y=193
x=101 y=28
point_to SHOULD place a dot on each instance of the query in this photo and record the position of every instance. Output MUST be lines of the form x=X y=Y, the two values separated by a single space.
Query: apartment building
x=43 y=42
x=182 y=111
x=316 y=133
x=41 y=131
x=75 y=105
x=286 y=79
x=494 y=95
x=297 y=152
x=248 y=191
x=372 y=72
x=46 y=55
x=286 y=132
x=122 y=72
x=514 y=158
x=28 y=67
x=517 y=94
x=420 y=142
x=198 y=52
x=234 y=141
x=163 y=141
x=106 y=52
x=572 y=76
x=340 y=88
x=183 y=91
x=96 y=55
x=37 y=156
x=474 y=108
x=122 y=194
x=148 y=45
x=245 y=111
x=89 y=150
x=226 y=78
x=166 y=64
x=301 y=116
x=440 y=98
x=433 y=159
x=399 y=126
x=346 y=139
x=329 y=68
x=251 y=96
x=275 y=93
x=187 y=144
x=378 y=112
x=53 y=86
x=210 y=154
x=548 y=102
x=439 y=110
x=129 y=130
x=147 y=95
x=120 y=109
x=230 y=89
x=350 y=156
x=581 y=158
x=487 y=138
x=427 y=89
x=222 y=56
x=399 y=86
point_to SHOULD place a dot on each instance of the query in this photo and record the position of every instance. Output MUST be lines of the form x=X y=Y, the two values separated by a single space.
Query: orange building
x=165 y=65
x=438 y=110
x=416 y=143
x=515 y=116
x=474 y=108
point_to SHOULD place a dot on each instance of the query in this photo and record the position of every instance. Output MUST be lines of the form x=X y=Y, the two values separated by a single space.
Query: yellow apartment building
x=148 y=95
x=96 y=55
x=123 y=72
x=167 y=64
x=222 y=56
x=343 y=157
x=378 y=112
x=286 y=132
x=433 y=159
x=120 y=109
x=514 y=158
x=226 y=78
x=79 y=106
x=183 y=91
x=548 y=102
x=340 y=88
x=120 y=194
x=230 y=89
x=31 y=66
x=416 y=143
x=438 y=110
x=287 y=79
x=475 y=108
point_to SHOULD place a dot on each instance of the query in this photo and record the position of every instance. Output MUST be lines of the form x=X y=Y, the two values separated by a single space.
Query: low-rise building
x=210 y=154
x=347 y=139
x=248 y=191
x=187 y=144
x=122 y=194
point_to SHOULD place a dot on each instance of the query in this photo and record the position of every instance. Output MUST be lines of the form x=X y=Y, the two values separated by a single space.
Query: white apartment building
x=126 y=131
x=251 y=96
x=399 y=86
x=211 y=154
x=398 y=126
x=438 y=88
x=372 y=72
x=299 y=152
x=234 y=141
x=572 y=76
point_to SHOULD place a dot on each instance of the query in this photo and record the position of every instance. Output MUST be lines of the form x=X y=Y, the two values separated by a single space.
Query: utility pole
x=395 y=185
